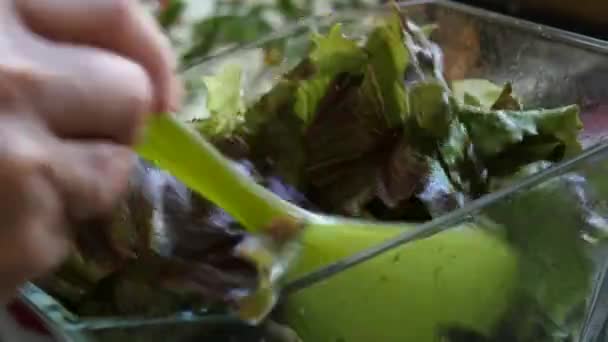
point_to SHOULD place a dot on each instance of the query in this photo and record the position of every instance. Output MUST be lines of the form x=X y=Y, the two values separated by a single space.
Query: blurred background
x=209 y=24
x=202 y=28
x=588 y=17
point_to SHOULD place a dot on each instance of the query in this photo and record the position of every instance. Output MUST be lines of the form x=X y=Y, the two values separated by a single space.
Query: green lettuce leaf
x=430 y=106
x=389 y=58
x=476 y=92
x=309 y=95
x=462 y=165
x=507 y=99
x=453 y=148
x=333 y=54
x=493 y=131
x=275 y=132
x=485 y=94
x=224 y=102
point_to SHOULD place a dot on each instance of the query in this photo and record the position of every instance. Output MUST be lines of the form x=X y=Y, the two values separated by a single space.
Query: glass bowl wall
x=547 y=67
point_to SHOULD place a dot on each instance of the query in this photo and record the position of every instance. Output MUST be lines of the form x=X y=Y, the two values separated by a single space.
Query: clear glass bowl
x=547 y=67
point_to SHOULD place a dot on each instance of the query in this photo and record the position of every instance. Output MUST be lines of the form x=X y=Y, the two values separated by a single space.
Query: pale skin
x=77 y=79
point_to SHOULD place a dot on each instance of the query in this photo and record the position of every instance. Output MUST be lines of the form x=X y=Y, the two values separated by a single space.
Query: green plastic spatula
x=463 y=276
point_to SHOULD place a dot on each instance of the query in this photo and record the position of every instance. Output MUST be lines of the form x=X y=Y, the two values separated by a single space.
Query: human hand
x=77 y=78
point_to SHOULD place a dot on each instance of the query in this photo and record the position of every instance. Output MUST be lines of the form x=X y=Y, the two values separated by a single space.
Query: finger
x=39 y=240
x=32 y=236
x=116 y=25
x=83 y=92
x=91 y=177
x=11 y=99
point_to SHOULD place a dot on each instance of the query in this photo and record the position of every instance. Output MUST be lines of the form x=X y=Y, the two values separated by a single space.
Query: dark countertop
x=589 y=17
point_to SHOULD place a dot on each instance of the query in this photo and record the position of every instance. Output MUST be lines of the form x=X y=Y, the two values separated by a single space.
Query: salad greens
x=365 y=128
x=226 y=104
x=234 y=23
x=335 y=54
